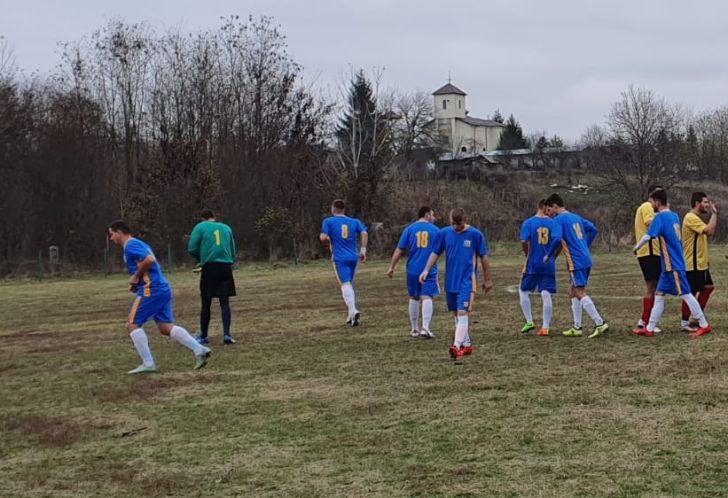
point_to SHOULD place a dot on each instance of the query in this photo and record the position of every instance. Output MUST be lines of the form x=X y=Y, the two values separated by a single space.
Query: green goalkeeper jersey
x=212 y=242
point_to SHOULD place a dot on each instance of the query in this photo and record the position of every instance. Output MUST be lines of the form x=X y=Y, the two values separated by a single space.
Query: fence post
x=609 y=241
x=106 y=258
x=169 y=258
x=295 y=252
x=40 y=265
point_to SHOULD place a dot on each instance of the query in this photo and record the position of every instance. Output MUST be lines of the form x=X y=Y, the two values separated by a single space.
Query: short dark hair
x=338 y=204
x=423 y=211
x=652 y=188
x=554 y=200
x=207 y=214
x=457 y=216
x=541 y=203
x=659 y=196
x=120 y=226
x=697 y=198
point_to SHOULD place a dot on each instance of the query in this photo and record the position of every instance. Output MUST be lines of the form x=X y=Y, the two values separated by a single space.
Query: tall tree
x=512 y=136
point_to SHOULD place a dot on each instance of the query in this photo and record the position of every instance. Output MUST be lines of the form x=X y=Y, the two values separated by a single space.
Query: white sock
x=591 y=310
x=548 y=308
x=347 y=290
x=427 y=310
x=461 y=331
x=525 y=305
x=414 y=312
x=695 y=310
x=183 y=337
x=139 y=338
x=576 y=311
x=657 y=308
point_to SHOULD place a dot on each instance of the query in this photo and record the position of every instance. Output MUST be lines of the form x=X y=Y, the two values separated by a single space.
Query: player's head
x=207 y=215
x=338 y=206
x=554 y=204
x=652 y=188
x=426 y=213
x=542 y=206
x=658 y=198
x=700 y=201
x=119 y=231
x=457 y=218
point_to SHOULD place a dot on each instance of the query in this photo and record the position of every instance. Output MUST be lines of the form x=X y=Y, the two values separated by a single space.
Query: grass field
x=304 y=406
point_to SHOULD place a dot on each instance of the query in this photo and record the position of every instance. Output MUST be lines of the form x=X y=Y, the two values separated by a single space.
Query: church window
x=444 y=105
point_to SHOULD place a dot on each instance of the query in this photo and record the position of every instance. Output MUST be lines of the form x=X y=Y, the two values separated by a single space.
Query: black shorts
x=699 y=280
x=651 y=268
x=217 y=280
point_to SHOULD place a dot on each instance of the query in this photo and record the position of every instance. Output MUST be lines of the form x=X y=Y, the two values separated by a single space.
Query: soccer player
x=648 y=256
x=536 y=234
x=153 y=300
x=463 y=246
x=342 y=234
x=695 y=233
x=417 y=240
x=213 y=246
x=673 y=280
x=573 y=235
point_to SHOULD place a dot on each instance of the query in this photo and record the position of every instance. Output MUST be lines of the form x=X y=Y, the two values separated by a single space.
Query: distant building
x=458 y=132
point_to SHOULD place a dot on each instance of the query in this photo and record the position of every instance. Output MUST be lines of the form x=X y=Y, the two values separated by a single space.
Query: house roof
x=449 y=89
x=481 y=122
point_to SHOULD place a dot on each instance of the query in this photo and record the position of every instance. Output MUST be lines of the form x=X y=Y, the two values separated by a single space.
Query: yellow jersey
x=642 y=219
x=695 y=242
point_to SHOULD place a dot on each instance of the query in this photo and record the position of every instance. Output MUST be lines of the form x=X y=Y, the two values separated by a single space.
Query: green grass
x=304 y=406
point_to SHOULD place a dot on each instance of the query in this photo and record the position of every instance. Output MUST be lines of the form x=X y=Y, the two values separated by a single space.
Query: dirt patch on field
x=54 y=432
x=143 y=388
x=52 y=342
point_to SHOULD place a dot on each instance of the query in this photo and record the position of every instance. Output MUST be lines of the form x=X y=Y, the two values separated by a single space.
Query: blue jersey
x=538 y=232
x=576 y=235
x=462 y=248
x=666 y=228
x=153 y=281
x=418 y=239
x=343 y=233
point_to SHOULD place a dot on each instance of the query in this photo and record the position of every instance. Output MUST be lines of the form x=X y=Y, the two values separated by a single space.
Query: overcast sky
x=556 y=65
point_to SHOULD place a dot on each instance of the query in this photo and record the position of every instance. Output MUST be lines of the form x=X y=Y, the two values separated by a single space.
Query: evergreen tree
x=497 y=117
x=512 y=137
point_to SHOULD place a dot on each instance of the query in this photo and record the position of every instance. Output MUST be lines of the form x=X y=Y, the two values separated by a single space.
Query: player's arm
x=142 y=267
x=363 y=248
x=525 y=238
x=713 y=222
x=324 y=235
x=652 y=233
x=591 y=231
x=555 y=243
x=524 y=247
x=430 y=263
x=193 y=246
x=487 y=280
x=395 y=259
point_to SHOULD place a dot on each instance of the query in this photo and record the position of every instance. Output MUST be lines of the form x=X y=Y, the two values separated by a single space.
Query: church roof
x=449 y=89
x=481 y=122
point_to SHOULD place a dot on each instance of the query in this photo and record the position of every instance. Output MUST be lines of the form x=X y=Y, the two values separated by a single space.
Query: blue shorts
x=580 y=278
x=673 y=282
x=157 y=307
x=538 y=282
x=415 y=289
x=460 y=301
x=345 y=271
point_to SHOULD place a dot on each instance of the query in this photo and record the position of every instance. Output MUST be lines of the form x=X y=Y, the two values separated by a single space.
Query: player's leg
x=581 y=279
x=574 y=331
x=683 y=290
x=430 y=289
x=138 y=315
x=165 y=323
x=226 y=315
x=547 y=286
x=696 y=281
x=205 y=315
x=708 y=289
x=651 y=270
x=524 y=300
x=413 y=290
x=666 y=285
